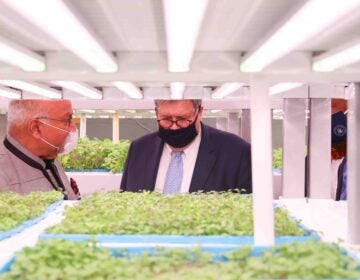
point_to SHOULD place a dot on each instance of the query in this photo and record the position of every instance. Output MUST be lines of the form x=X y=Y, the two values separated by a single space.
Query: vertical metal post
x=353 y=157
x=319 y=148
x=83 y=126
x=261 y=149
x=245 y=125
x=115 y=128
x=233 y=123
x=293 y=171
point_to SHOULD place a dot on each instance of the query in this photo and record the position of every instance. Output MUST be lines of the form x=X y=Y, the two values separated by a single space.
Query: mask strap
x=55 y=127
x=47 y=142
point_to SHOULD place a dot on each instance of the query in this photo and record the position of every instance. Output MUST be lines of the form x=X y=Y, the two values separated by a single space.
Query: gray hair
x=20 y=111
x=196 y=102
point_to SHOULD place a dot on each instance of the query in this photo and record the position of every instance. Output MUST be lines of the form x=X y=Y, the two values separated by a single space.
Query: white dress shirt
x=189 y=156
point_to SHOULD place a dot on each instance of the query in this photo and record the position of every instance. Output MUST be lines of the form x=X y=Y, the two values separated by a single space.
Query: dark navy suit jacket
x=340 y=185
x=223 y=163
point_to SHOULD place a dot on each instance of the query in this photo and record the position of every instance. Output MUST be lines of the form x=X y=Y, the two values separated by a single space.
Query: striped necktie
x=174 y=174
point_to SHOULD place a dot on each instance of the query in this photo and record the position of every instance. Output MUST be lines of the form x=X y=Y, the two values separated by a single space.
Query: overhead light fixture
x=182 y=23
x=312 y=18
x=19 y=56
x=177 y=90
x=225 y=90
x=89 y=111
x=129 y=89
x=340 y=57
x=80 y=88
x=283 y=87
x=215 y=111
x=9 y=93
x=33 y=88
x=131 y=111
x=56 y=19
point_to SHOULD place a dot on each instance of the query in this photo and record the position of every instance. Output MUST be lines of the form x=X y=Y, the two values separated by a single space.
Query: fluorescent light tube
x=177 y=90
x=9 y=93
x=225 y=90
x=90 y=111
x=56 y=19
x=80 y=88
x=129 y=89
x=19 y=56
x=32 y=87
x=311 y=19
x=332 y=60
x=182 y=23
x=283 y=87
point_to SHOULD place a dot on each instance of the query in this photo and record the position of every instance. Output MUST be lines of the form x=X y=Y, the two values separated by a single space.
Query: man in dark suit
x=338 y=152
x=186 y=155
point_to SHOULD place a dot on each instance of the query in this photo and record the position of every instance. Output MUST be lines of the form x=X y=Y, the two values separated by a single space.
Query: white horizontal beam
x=213 y=69
x=149 y=104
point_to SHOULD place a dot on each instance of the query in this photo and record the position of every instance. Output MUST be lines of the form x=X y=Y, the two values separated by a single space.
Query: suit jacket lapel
x=153 y=164
x=204 y=162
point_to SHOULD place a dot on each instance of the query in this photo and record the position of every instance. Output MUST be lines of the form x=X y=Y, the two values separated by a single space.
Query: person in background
x=37 y=131
x=186 y=155
x=338 y=148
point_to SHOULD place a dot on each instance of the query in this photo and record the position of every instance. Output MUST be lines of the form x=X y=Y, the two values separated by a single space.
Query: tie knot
x=176 y=154
x=49 y=163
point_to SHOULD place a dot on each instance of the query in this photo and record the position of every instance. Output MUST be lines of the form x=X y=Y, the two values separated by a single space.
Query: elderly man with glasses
x=187 y=156
x=37 y=131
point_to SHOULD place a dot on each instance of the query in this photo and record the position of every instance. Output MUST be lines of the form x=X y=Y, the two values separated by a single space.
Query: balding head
x=21 y=111
x=26 y=120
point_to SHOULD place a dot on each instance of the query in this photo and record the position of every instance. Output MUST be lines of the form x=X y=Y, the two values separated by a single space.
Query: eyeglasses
x=67 y=121
x=182 y=123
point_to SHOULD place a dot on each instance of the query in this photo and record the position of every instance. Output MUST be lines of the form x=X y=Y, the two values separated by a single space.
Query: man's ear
x=201 y=109
x=34 y=128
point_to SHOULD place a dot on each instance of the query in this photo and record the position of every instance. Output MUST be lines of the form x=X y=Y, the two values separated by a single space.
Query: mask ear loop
x=47 y=142
x=56 y=147
x=55 y=127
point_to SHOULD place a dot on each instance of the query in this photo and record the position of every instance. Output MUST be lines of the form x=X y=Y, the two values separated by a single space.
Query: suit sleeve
x=124 y=178
x=246 y=173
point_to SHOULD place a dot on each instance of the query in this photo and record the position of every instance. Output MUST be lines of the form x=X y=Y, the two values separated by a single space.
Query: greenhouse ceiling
x=111 y=54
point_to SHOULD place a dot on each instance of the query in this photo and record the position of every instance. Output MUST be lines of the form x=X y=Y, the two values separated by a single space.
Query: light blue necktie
x=174 y=174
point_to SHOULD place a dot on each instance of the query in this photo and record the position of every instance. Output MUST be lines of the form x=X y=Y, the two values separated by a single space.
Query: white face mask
x=69 y=143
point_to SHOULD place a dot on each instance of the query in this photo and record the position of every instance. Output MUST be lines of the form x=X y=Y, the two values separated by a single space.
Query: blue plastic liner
x=217 y=251
x=153 y=239
x=6 y=266
x=173 y=239
x=31 y=222
x=101 y=170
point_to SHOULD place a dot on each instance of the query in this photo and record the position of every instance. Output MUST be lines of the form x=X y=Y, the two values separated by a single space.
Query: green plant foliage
x=16 y=208
x=60 y=259
x=153 y=213
x=277 y=158
x=96 y=154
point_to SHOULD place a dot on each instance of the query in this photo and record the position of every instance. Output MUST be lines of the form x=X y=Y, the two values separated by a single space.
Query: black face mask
x=178 y=138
